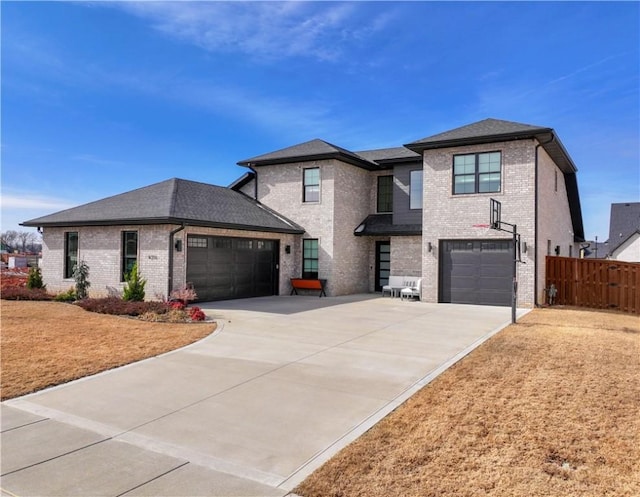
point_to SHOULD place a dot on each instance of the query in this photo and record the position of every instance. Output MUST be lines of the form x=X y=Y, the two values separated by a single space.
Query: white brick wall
x=406 y=256
x=448 y=216
x=100 y=248
x=345 y=199
x=554 y=219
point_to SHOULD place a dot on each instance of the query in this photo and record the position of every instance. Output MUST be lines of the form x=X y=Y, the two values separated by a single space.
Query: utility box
x=17 y=262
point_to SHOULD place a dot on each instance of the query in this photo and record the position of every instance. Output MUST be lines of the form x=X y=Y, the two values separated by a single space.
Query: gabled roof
x=312 y=150
x=496 y=130
x=243 y=180
x=624 y=222
x=174 y=201
x=633 y=235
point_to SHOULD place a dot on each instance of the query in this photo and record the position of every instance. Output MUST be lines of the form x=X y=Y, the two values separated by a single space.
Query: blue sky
x=101 y=98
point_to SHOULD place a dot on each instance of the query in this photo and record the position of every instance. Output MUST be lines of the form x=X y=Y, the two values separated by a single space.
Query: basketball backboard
x=494 y=213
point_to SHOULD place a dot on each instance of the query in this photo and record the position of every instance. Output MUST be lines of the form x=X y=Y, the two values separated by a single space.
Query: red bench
x=305 y=284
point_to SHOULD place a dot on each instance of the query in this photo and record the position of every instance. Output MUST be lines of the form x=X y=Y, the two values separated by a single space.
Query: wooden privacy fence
x=595 y=283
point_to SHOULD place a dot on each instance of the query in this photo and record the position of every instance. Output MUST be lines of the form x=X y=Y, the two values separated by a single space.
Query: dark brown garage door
x=231 y=268
x=476 y=271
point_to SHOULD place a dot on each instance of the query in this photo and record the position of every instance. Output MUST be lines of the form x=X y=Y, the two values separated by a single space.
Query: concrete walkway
x=282 y=385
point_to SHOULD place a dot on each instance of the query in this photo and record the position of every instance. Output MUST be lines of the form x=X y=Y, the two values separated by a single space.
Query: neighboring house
x=624 y=232
x=352 y=218
x=593 y=249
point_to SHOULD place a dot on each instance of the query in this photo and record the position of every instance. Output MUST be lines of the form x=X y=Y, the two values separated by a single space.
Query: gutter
x=171 y=249
x=535 y=222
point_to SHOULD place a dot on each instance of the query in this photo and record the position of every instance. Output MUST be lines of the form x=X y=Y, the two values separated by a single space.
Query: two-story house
x=316 y=210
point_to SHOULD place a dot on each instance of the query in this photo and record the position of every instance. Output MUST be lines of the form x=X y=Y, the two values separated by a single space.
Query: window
x=310 y=258
x=311 y=180
x=197 y=242
x=385 y=193
x=415 y=190
x=476 y=173
x=129 y=251
x=70 y=253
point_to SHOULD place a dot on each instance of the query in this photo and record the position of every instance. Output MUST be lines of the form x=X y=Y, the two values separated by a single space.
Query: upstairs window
x=70 y=252
x=477 y=173
x=415 y=190
x=310 y=258
x=385 y=194
x=311 y=182
x=129 y=251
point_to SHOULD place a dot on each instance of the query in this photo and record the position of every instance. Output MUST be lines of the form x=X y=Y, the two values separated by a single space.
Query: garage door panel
x=476 y=271
x=226 y=267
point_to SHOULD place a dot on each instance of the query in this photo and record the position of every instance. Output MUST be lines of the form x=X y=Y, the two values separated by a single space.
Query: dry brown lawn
x=548 y=407
x=49 y=343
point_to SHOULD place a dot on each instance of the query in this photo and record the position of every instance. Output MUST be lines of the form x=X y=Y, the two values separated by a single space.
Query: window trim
x=305 y=185
x=310 y=274
x=476 y=173
x=68 y=271
x=123 y=253
x=388 y=200
x=421 y=171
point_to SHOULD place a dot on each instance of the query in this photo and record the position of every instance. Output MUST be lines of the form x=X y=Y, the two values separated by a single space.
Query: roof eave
x=476 y=140
x=168 y=220
x=391 y=233
x=354 y=161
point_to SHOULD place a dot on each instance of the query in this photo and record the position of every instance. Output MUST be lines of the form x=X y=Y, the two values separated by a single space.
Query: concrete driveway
x=282 y=385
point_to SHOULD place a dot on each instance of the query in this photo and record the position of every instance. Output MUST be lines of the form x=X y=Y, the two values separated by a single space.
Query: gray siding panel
x=401 y=185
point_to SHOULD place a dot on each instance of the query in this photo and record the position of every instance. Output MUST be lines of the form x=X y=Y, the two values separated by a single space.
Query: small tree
x=34 y=280
x=81 y=275
x=134 y=288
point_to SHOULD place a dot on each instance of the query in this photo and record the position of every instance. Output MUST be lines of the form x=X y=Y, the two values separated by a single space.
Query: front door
x=383 y=264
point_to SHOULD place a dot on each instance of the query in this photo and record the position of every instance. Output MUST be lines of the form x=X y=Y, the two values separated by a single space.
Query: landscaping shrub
x=185 y=294
x=177 y=305
x=81 y=275
x=68 y=296
x=134 y=288
x=23 y=293
x=196 y=314
x=118 y=307
x=34 y=280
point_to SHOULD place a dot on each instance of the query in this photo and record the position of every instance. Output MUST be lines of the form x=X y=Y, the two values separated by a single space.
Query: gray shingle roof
x=390 y=155
x=174 y=201
x=624 y=221
x=488 y=128
x=312 y=150
x=382 y=225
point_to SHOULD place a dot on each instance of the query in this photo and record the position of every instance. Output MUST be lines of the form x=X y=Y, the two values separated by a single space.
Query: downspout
x=255 y=181
x=171 y=248
x=535 y=224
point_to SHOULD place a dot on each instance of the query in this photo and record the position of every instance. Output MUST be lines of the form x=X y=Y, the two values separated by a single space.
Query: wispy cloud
x=263 y=29
x=32 y=201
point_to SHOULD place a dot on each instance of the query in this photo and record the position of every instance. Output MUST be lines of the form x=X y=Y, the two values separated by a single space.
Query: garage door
x=476 y=271
x=231 y=268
